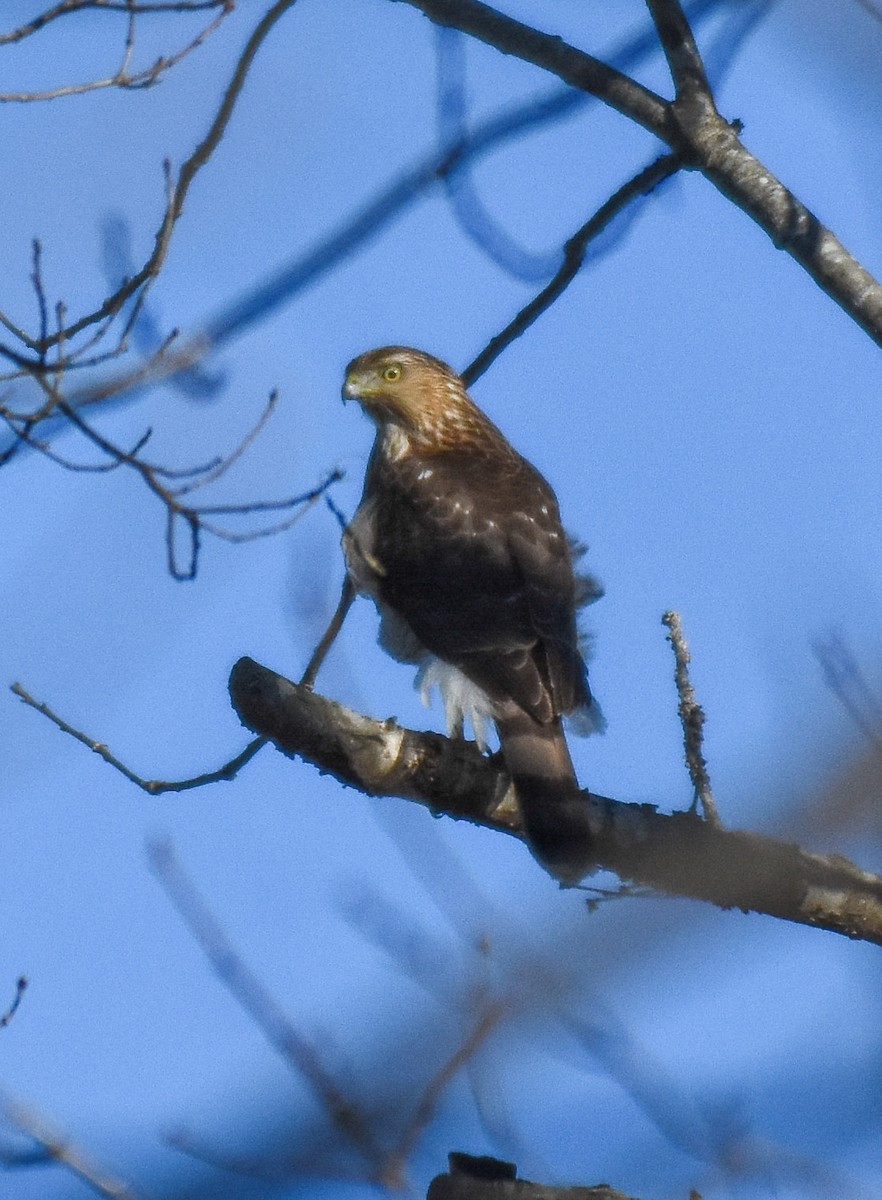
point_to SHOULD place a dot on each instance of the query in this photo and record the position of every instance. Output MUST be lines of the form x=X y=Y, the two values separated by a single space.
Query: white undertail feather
x=463 y=700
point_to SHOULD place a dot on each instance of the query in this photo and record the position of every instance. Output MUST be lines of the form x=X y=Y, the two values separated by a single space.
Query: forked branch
x=692 y=128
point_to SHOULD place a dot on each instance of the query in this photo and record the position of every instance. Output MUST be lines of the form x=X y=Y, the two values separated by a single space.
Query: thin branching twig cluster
x=696 y=135
x=61 y=345
x=125 y=76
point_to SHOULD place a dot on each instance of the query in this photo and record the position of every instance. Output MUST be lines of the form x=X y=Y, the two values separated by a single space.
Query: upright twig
x=692 y=720
x=427 y=1105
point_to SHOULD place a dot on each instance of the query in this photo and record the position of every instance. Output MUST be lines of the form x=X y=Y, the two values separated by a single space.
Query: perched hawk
x=459 y=542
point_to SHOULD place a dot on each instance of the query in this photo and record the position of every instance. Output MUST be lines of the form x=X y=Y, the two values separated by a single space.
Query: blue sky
x=709 y=421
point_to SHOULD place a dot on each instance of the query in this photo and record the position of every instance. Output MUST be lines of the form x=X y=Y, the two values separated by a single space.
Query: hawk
x=458 y=540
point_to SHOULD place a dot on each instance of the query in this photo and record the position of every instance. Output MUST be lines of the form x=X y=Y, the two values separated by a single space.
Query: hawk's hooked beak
x=356 y=387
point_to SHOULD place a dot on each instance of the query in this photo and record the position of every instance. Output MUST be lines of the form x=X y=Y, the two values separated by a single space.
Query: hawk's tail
x=553 y=809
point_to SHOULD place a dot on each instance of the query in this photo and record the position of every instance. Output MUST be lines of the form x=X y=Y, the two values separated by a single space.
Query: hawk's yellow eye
x=392 y=373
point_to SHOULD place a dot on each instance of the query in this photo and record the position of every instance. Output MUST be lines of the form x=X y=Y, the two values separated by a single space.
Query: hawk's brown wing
x=472 y=555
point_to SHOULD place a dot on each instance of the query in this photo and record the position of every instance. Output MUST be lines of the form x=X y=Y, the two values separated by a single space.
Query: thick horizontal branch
x=676 y=853
x=379 y=758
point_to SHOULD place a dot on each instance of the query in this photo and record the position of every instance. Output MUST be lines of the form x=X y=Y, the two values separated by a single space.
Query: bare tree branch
x=68 y=7
x=385 y=1156
x=675 y=35
x=470 y=212
x=177 y=192
x=677 y=853
x=153 y=787
x=472 y=215
x=573 y=66
x=573 y=257
x=693 y=128
x=295 y=276
x=159 y=481
x=347 y=595
x=121 y=78
x=869 y=6
x=692 y=721
x=435 y=1088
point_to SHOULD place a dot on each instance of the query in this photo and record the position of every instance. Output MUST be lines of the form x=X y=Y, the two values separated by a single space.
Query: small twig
x=257 y=506
x=253 y=535
x=37 y=281
x=20 y=988
x=61 y=356
x=66 y=7
x=338 y=514
x=692 y=720
x=286 y=1171
x=18 y=333
x=192 y=517
x=574 y=255
x=626 y=891
x=129 y=47
x=153 y=787
x=220 y=467
x=24 y=436
x=347 y=595
x=121 y=78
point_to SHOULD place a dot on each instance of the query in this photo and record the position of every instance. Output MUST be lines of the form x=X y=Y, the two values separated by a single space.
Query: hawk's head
x=419 y=403
x=405 y=387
